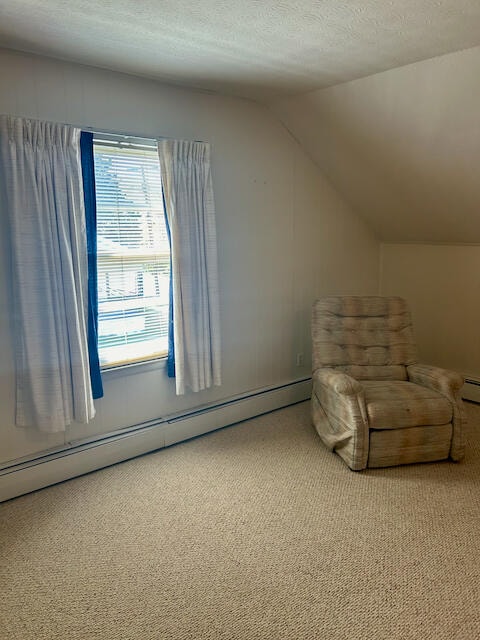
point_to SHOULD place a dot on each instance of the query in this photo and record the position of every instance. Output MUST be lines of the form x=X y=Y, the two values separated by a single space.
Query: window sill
x=134 y=368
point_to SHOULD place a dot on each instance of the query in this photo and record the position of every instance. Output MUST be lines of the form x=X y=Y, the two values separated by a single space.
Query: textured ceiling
x=259 y=49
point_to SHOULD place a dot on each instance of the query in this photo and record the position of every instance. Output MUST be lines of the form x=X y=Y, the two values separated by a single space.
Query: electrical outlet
x=299 y=359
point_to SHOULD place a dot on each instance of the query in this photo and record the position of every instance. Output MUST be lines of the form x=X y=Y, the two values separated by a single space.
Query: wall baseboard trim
x=83 y=457
x=471 y=389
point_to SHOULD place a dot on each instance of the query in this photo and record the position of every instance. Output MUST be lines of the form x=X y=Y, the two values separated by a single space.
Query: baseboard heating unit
x=471 y=389
x=84 y=456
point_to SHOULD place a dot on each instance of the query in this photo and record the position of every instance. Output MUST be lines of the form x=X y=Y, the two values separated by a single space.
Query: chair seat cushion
x=393 y=404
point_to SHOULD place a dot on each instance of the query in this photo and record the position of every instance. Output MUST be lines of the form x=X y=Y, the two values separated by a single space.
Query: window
x=133 y=252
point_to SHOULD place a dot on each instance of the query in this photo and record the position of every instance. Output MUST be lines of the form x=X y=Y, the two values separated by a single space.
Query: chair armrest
x=337 y=381
x=339 y=415
x=446 y=382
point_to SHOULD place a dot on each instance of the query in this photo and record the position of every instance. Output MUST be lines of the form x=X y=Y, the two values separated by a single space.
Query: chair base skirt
x=391 y=447
x=348 y=438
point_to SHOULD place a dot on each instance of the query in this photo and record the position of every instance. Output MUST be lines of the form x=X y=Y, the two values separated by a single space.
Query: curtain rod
x=123 y=134
x=107 y=131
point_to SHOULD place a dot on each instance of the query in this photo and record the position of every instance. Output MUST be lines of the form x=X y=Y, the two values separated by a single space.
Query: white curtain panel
x=43 y=196
x=187 y=183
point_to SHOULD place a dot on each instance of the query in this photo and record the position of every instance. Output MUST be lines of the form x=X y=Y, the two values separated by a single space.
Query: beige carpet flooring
x=253 y=532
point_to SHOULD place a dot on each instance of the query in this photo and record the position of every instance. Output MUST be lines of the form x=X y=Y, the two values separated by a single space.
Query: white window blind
x=133 y=252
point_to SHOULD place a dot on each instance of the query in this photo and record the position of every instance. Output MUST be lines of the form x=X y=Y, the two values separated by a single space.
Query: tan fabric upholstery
x=372 y=402
x=367 y=337
x=397 y=404
x=404 y=446
x=338 y=409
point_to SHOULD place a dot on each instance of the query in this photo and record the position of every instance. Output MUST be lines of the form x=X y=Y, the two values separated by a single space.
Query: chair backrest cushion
x=368 y=337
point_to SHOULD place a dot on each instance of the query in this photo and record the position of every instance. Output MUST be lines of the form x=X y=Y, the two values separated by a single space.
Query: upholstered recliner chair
x=372 y=403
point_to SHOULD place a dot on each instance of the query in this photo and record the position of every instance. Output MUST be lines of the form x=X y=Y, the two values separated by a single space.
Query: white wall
x=402 y=146
x=285 y=236
x=442 y=285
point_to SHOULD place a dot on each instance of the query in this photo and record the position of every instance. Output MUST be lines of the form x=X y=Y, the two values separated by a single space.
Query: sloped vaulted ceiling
x=252 y=48
x=402 y=145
